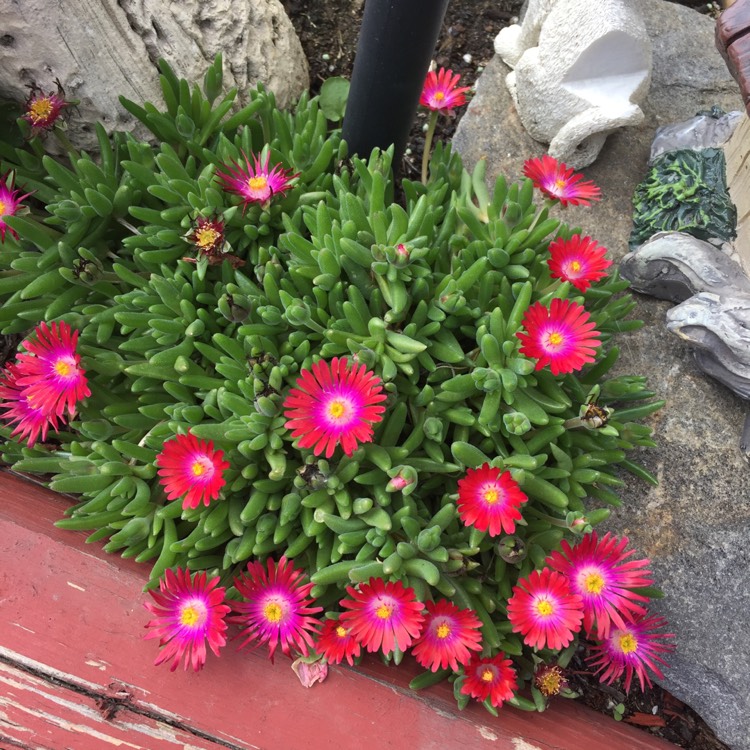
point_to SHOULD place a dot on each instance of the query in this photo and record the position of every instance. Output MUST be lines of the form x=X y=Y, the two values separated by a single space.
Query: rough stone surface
x=100 y=50
x=581 y=69
x=695 y=525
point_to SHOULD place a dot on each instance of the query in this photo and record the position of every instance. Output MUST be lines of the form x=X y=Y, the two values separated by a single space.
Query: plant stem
x=67 y=145
x=428 y=144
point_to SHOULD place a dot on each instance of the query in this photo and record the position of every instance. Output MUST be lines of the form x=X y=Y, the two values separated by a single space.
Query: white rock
x=101 y=50
x=582 y=67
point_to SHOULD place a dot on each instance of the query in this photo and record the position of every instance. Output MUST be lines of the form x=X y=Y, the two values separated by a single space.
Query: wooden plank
x=737 y=154
x=71 y=613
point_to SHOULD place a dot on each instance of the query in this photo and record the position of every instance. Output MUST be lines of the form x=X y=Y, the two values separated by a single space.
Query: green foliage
x=333 y=96
x=429 y=294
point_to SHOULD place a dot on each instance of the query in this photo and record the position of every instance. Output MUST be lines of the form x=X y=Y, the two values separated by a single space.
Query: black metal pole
x=395 y=45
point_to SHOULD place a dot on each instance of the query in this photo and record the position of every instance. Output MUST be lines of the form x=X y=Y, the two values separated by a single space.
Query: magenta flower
x=31 y=423
x=633 y=649
x=544 y=610
x=50 y=373
x=490 y=677
x=254 y=182
x=276 y=609
x=383 y=615
x=43 y=110
x=440 y=92
x=189 y=611
x=337 y=643
x=601 y=574
x=335 y=404
x=10 y=202
x=191 y=469
x=561 y=336
x=579 y=260
x=560 y=183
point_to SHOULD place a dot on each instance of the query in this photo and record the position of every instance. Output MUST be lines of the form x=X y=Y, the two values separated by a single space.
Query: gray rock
x=101 y=50
x=695 y=525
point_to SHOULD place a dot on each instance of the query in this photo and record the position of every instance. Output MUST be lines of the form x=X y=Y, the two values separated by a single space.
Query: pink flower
x=578 y=260
x=191 y=469
x=335 y=404
x=439 y=92
x=559 y=183
x=490 y=499
x=544 y=611
x=189 y=611
x=43 y=110
x=10 y=202
x=337 y=643
x=601 y=574
x=490 y=677
x=276 y=609
x=448 y=637
x=254 y=182
x=633 y=649
x=50 y=374
x=561 y=336
x=383 y=615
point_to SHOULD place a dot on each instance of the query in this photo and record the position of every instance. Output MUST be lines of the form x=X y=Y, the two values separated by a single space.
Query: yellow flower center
x=189 y=616
x=443 y=630
x=257 y=183
x=560 y=183
x=3 y=209
x=628 y=643
x=544 y=608
x=439 y=96
x=491 y=496
x=341 y=631
x=488 y=675
x=593 y=583
x=555 y=339
x=384 y=611
x=198 y=469
x=575 y=266
x=550 y=682
x=40 y=110
x=206 y=237
x=62 y=367
x=337 y=409
x=273 y=612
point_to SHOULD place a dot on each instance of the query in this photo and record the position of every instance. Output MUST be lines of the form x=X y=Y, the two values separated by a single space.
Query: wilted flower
x=43 y=110
x=550 y=679
x=560 y=183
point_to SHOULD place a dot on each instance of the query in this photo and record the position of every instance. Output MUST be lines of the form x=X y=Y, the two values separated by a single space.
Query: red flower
x=31 y=422
x=10 y=202
x=544 y=611
x=562 y=336
x=448 y=637
x=558 y=182
x=439 y=92
x=43 y=110
x=50 y=374
x=254 y=182
x=188 y=612
x=578 y=260
x=334 y=404
x=492 y=678
x=490 y=499
x=276 y=610
x=192 y=468
x=337 y=643
x=601 y=574
x=384 y=615
x=633 y=649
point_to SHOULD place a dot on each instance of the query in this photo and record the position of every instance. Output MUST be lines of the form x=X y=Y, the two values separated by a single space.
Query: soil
x=328 y=31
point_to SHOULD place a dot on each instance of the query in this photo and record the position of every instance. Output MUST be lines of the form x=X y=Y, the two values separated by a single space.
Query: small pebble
x=325 y=57
x=467 y=58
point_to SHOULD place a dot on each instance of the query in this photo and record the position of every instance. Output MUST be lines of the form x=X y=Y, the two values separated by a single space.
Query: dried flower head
x=43 y=110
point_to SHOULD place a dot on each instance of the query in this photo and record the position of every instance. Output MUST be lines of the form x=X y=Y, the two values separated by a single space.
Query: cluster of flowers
x=44 y=381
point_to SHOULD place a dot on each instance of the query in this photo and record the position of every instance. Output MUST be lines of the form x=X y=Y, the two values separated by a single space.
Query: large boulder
x=101 y=50
x=695 y=525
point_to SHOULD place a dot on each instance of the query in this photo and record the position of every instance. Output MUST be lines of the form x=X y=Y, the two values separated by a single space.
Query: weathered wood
x=733 y=42
x=71 y=622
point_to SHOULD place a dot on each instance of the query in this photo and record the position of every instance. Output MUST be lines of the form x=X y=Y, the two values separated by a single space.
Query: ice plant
x=208 y=236
x=550 y=679
x=10 y=202
x=383 y=615
x=440 y=93
x=579 y=260
x=276 y=608
x=601 y=573
x=633 y=649
x=337 y=643
x=490 y=677
x=448 y=637
x=189 y=610
x=562 y=336
x=255 y=182
x=50 y=371
x=31 y=423
x=42 y=110
x=489 y=500
x=334 y=404
x=559 y=182
x=191 y=469
x=544 y=610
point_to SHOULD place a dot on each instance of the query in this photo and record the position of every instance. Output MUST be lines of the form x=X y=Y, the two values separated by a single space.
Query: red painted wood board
x=77 y=674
